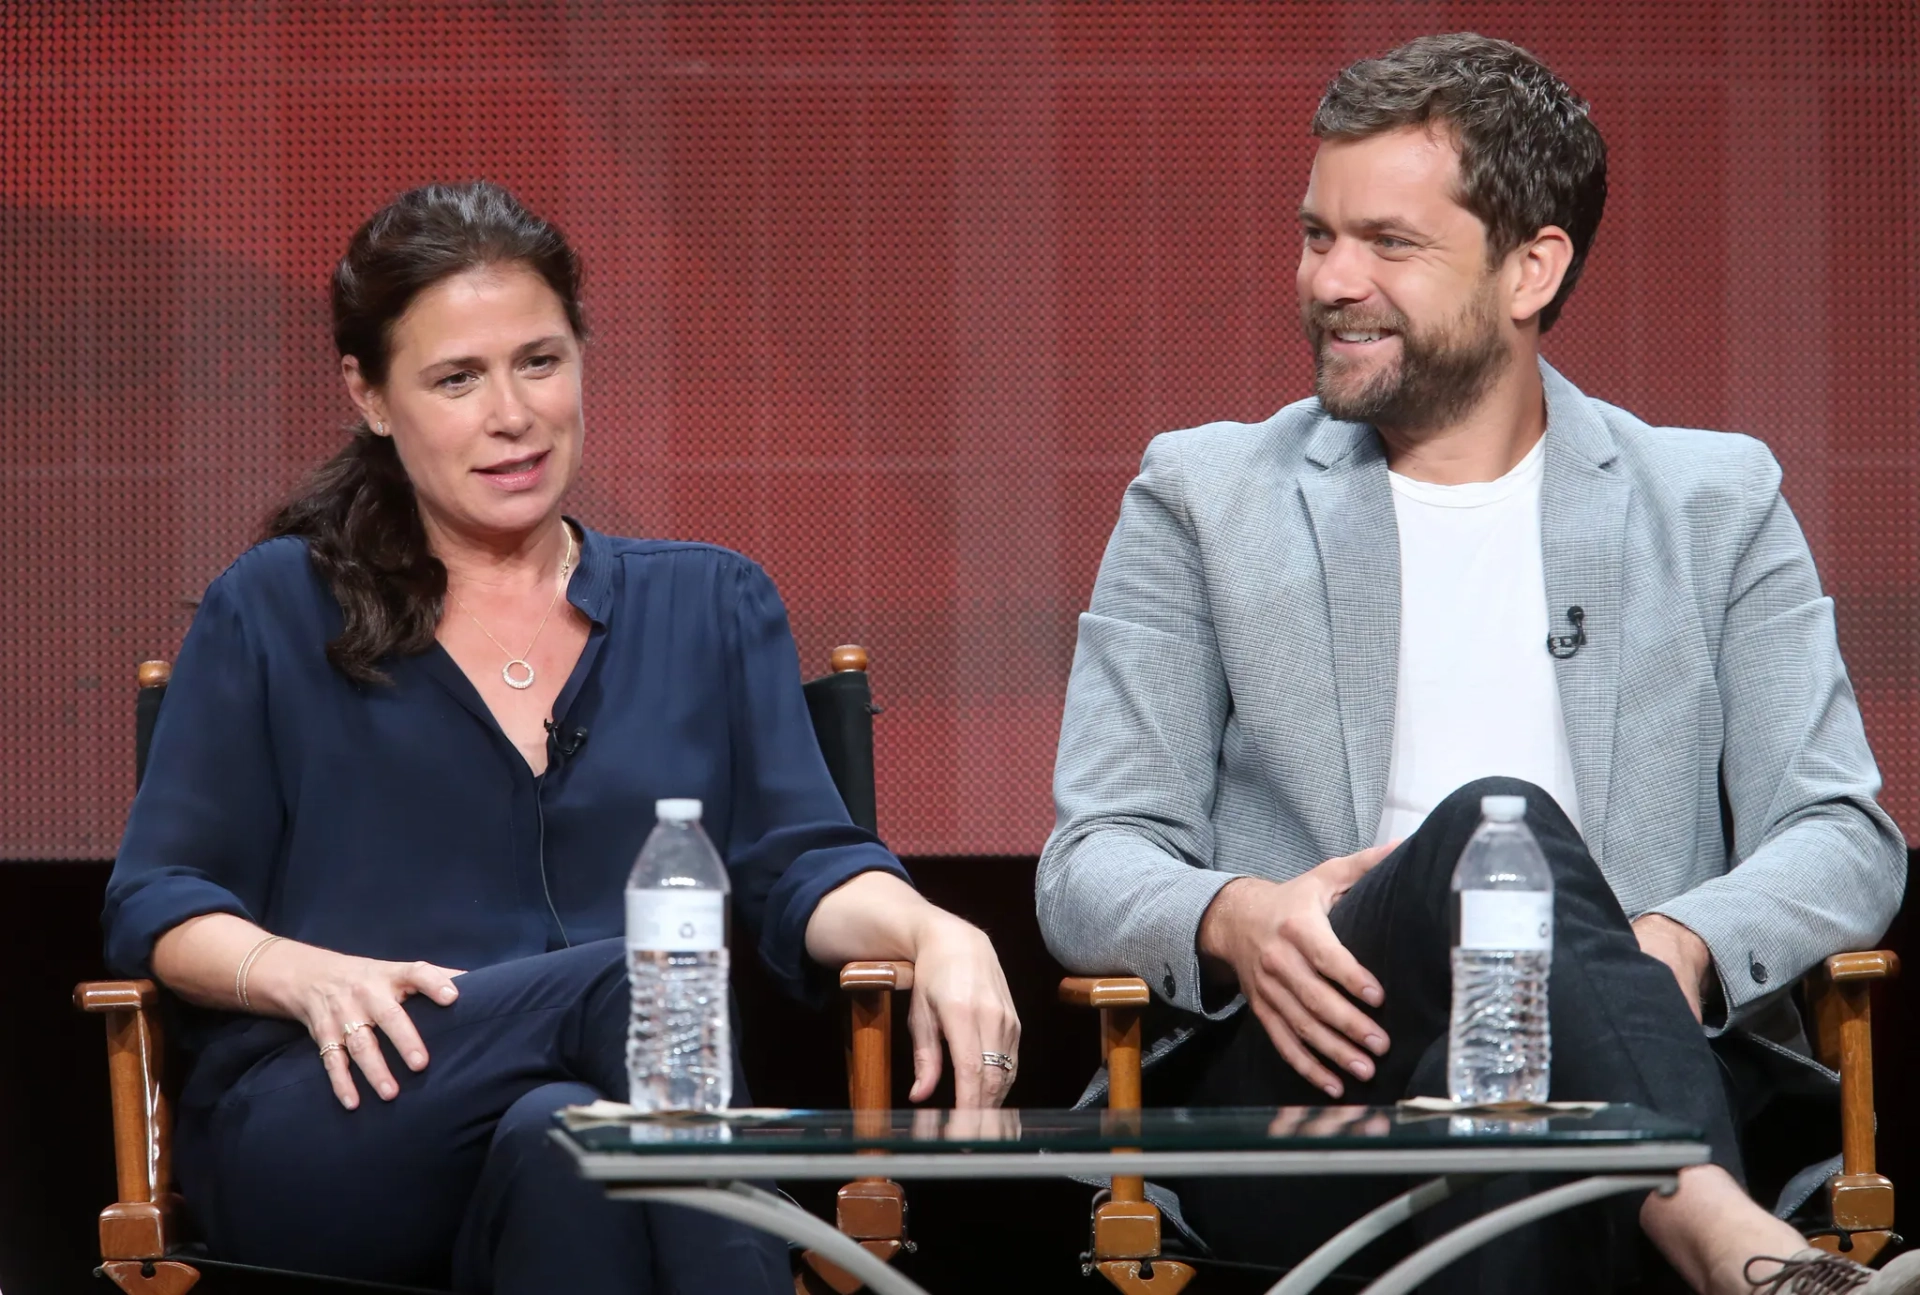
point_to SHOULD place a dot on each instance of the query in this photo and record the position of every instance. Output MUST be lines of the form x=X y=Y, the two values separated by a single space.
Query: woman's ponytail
x=363 y=532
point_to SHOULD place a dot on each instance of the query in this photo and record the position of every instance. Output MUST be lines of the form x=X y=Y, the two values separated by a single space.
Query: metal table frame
x=709 y=1182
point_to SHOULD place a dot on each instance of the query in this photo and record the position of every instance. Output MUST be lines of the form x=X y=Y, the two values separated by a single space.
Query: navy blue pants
x=456 y=1180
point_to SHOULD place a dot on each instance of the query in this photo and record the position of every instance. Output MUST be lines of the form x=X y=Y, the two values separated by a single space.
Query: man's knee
x=1458 y=816
x=1462 y=805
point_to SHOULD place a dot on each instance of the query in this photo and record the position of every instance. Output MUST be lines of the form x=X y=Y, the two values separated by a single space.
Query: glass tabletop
x=923 y=1132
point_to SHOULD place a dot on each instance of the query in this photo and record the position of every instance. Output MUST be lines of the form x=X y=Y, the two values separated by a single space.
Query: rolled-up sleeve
x=208 y=819
x=790 y=841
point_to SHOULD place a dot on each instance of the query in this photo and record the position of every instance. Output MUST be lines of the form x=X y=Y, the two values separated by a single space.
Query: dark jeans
x=1621 y=1032
x=456 y=1178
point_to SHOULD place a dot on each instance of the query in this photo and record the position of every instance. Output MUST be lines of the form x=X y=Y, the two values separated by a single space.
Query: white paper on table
x=1442 y=1106
x=606 y=1112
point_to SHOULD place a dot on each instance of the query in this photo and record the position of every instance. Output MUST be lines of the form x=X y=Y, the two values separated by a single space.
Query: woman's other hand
x=959 y=991
x=224 y=961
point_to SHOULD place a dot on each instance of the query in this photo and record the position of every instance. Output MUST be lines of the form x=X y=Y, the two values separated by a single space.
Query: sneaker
x=1815 y=1272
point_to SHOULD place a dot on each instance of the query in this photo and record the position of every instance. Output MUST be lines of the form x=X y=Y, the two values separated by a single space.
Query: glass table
x=703 y=1163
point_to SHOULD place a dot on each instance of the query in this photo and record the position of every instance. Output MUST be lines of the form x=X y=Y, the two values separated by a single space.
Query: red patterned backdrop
x=889 y=296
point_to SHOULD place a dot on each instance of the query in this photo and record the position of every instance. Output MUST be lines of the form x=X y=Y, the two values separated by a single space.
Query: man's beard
x=1440 y=375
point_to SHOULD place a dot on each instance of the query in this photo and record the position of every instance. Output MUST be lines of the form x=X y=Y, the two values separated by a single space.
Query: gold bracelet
x=246 y=965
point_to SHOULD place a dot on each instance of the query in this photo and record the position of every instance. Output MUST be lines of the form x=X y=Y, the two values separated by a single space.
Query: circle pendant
x=520 y=681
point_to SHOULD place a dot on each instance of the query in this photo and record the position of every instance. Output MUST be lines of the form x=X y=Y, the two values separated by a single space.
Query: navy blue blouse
x=399 y=822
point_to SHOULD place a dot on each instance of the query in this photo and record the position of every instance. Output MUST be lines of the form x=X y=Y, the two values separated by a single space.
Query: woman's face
x=482 y=399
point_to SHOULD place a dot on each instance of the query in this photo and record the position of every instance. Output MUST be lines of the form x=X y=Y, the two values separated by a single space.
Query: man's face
x=1398 y=301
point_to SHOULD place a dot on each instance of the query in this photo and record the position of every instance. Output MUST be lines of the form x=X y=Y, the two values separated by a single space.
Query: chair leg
x=1860 y=1197
x=873 y=1211
x=1126 y=1225
x=1862 y=1206
x=151 y=1276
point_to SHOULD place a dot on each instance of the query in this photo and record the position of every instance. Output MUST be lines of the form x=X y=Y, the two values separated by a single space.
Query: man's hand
x=1684 y=952
x=1275 y=938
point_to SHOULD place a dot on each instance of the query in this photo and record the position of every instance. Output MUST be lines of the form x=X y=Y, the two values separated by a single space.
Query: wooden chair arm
x=869 y=987
x=1840 y=995
x=1875 y=964
x=1120 y=1000
x=1104 y=991
x=871 y=1210
x=116 y=996
x=136 y=1227
x=1125 y=1224
x=876 y=975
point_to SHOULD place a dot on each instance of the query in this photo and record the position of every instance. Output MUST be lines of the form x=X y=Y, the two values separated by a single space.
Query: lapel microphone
x=565 y=743
x=1562 y=646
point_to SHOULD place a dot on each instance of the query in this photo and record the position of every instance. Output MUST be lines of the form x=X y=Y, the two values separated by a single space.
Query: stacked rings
x=999 y=1059
x=325 y=1048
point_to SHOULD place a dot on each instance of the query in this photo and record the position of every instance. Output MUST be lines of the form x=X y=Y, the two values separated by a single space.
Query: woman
x=410 y=750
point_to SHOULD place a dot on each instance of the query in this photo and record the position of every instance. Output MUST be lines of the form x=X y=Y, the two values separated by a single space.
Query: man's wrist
x=1217 y=939
x=1698 y=955
x=1702 y=956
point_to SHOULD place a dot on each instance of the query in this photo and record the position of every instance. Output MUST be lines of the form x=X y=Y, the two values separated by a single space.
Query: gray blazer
x=1231 y=706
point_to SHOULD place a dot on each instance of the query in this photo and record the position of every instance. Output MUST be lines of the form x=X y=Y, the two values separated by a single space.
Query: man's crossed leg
x=1374 y=1030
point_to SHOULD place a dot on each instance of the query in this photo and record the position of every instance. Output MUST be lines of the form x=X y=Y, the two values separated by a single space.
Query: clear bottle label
x=1519 y=920
x=677 y=921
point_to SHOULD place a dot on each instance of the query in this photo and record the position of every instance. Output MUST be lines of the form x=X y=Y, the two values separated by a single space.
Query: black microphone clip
x=567 y=744
x=1562 y=646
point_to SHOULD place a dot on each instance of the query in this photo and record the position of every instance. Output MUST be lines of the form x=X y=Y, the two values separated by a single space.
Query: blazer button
x=1759 y=971
x=1168 y=984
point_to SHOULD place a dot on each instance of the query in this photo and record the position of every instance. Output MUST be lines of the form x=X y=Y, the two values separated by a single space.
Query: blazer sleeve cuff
x=1751 y=965
x=1146 y=924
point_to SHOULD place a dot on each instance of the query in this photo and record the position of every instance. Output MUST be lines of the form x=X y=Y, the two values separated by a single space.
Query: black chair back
x=146 y=712
x=841 y=705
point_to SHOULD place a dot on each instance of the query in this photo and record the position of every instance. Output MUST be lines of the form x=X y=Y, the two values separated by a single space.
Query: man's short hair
x=1529 y=154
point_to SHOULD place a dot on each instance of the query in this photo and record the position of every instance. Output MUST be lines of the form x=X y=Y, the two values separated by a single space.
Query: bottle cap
x=1500 y=809
x=677 y=810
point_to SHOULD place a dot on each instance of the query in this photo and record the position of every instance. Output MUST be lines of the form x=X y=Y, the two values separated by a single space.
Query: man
x=1454 y=574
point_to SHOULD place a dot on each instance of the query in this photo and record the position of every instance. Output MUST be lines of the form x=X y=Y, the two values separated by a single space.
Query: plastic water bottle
x=1498 y=1049
x=679 y=1037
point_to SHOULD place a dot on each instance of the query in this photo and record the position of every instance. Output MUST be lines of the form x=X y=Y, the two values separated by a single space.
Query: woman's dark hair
x=1529 y=154
x=357 y=511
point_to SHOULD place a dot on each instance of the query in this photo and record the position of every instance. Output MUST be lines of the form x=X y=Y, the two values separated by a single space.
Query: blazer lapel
x=1350 y=503
x=1583 y=521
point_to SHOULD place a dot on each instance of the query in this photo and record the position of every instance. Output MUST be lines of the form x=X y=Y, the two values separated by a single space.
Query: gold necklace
x=524 y=682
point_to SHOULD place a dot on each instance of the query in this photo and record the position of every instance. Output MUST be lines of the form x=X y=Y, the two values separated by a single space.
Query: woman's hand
x=342 y=999
x=219 y=960
x=959 y=991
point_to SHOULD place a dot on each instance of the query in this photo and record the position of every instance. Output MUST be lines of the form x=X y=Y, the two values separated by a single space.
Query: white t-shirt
x=1477 y=695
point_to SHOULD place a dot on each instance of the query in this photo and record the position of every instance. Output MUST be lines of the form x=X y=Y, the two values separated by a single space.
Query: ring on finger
x=346 y=1031
x=325 y=1048
x=1000 y=1059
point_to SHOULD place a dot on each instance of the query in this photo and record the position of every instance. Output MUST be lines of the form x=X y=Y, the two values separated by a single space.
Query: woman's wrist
x=931 y=926
x=873 y=916
x=244 y=972
x=277 y=974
